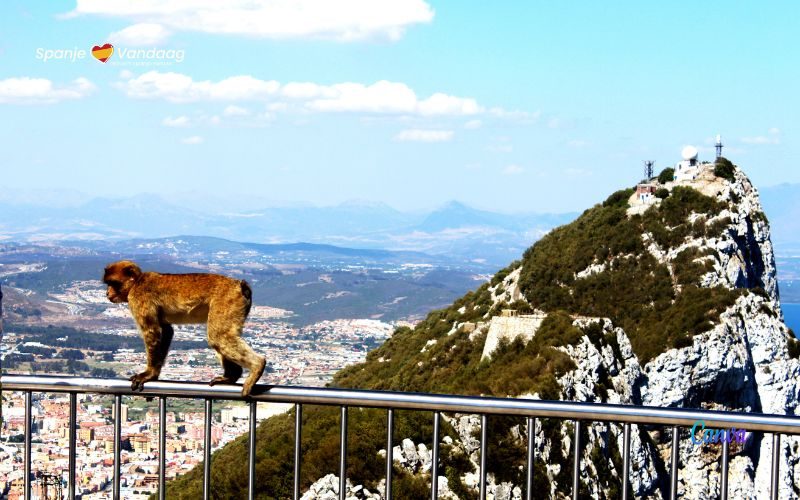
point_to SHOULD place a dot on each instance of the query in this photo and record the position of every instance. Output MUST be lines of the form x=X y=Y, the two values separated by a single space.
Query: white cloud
x=761 y=139
x=180 y=121
x=307 y=90
x=26 y=90
x=140 y=35
x=341 y=20
x=773 y=137
x=513 y=170
x=417 y=135
x=125 y=74
x=577 y=143
x=195 y=139
x=443 y=104
x=277 y=106
x=388 y=97
x=177 y=87
x=473 y=124
x=235 y=111
x=382 y=97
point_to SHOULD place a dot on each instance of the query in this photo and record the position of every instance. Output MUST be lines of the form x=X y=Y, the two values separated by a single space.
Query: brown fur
x=158 y=301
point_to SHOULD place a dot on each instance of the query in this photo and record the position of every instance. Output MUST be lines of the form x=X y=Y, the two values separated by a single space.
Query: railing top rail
x=784 y=424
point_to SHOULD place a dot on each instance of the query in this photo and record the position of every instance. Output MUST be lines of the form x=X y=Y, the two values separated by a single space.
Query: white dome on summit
x=689 y=153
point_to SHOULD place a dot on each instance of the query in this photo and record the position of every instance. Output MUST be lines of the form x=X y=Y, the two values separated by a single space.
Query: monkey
x=158 y=301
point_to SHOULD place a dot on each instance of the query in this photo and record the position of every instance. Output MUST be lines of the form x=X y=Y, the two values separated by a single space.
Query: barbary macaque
x=158 y=301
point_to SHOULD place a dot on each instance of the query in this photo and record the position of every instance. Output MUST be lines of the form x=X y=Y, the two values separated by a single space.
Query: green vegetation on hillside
x=635 y=291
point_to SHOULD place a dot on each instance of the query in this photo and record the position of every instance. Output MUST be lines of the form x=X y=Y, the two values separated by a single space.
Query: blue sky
x=508 y=106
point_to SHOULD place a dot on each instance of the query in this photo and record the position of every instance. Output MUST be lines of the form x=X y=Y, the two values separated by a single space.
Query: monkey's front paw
x=221 y=380
x=138 y=380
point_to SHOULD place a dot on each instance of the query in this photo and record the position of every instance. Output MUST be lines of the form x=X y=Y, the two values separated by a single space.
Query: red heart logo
x=102 y=53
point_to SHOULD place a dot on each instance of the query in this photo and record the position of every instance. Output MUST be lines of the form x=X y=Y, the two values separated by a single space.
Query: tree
x=724 y=168
x=666 y=175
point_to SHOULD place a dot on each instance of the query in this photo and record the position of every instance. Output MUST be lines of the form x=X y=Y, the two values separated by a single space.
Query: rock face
x=327 y=488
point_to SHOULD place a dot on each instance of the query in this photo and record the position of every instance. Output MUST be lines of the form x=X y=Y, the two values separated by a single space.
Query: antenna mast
x=648 y=169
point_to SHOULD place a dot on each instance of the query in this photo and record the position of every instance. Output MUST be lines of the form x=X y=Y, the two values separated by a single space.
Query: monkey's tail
x=247 y=292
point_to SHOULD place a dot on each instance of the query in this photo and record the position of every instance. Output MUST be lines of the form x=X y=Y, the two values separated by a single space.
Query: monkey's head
x=120 y=278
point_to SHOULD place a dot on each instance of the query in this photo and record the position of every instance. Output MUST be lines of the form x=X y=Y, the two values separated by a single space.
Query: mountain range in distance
x=455 y=230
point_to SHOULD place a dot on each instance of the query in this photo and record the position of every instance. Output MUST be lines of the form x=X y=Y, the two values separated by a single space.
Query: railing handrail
x=603 y=412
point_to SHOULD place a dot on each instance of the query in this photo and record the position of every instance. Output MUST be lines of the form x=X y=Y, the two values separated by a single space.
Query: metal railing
x=484 y=406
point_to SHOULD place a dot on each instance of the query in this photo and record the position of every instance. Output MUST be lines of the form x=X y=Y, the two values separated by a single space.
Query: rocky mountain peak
x=668 y=301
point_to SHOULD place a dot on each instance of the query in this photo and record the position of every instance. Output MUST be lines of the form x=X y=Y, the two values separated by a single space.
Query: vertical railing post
x=343 y=455
x=626 y=461
x=673 y=491
x=776 y=464
x=162 y=447
x=389 y=452
x=724 y=471
x=576 y=462
x=251 y=472
x=73 y=442
x=28 y=458
x=117 y=445
x=531 y=458
x=484 y=448
x=298 y=434
x=207 y=450
x=435 y=457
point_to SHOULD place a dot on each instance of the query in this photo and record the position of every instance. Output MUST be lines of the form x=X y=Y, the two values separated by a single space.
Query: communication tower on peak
x=648 y=169
x=718 y=145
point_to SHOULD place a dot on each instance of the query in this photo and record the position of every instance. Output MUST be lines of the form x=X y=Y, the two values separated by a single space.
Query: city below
x=307 y=356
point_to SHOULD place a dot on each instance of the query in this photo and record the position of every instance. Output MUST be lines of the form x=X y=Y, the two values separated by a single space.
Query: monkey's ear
x=131 y=270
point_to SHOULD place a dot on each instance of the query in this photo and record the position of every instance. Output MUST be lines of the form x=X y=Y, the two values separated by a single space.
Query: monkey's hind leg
x=237 y=351
x=232 y=372
x=225 y=322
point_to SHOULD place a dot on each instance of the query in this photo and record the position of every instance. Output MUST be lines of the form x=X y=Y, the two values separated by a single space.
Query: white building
x=688 y=168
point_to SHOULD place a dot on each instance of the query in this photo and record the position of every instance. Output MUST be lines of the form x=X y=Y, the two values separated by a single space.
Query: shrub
x=794 y=348
x=619 y=198
x=724 y=168
x=666 y=175
x=662 y=193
